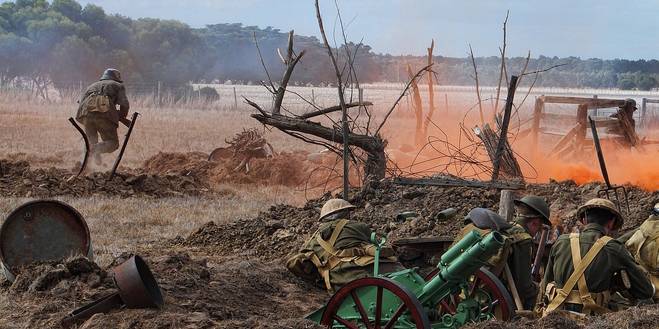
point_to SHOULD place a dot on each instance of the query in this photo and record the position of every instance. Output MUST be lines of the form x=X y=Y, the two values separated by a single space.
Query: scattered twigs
x=258 y=49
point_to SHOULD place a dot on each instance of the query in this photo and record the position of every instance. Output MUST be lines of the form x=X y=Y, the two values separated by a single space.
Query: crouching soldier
x=532 y=212
x=643 y=244
x=582 y=266
x=98 y=112
x=340 y=251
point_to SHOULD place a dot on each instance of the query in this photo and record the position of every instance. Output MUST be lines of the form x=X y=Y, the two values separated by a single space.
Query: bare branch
x=478 y=90
x=291 y=62
x=258 y=49
x=503 y=63
x=332 y=109
x=546 y=69
x=393 y=106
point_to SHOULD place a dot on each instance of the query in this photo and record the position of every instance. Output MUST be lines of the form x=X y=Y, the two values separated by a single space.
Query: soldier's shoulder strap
x=580 y=266
x=328 y=245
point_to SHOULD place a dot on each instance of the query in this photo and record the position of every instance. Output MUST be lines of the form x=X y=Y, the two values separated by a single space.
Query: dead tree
x=417 y=104
x=301 y=127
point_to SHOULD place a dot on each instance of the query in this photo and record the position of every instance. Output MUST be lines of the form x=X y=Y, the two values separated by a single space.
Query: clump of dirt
x=282 y=229
x=18 y=179
x=288 y=169
x=198 y=293
x=646 y=317
x=76 y=277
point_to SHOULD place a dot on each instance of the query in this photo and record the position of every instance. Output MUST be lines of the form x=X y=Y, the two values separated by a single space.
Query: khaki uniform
x=643 y=244
x=339 y=252
x=103 y=122
x=590 y=291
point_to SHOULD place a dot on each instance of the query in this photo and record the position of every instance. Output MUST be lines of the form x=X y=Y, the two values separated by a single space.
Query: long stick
x=535 y=269
x=344 y=117
x=123 y=147
x=503 y=64
x=478 y=92
x=503 y=137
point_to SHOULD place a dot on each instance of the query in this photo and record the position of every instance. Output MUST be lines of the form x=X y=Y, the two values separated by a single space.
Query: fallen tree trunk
x=375 y=165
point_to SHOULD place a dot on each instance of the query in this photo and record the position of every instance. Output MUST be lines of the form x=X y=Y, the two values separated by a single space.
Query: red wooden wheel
x=346 y=308
x=487 y=289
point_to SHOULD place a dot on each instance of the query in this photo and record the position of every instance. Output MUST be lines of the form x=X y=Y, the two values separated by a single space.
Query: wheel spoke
x=473 y=286
x=448 y=308
x=345 y=322
x=401 y=309
x=360 y=308
x=378 y=308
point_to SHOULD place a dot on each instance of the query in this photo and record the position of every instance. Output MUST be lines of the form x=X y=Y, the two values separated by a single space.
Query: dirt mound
x=58 y=278
x=288 y=169
x=282 y=230
x=199 y=294
x=18 y=179
x=646 y=317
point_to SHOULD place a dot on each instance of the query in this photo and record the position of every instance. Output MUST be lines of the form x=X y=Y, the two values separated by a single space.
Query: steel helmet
x=333 y=206
x=111 y=74
x=536 y=204
x=602 y=204
x=486 y=219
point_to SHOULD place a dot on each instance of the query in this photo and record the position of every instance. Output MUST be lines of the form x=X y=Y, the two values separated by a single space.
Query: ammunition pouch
x=601 y=299
x=96 y=103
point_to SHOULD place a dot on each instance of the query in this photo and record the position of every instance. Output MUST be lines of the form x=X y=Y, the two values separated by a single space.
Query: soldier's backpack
x=96 y=102
x=644 y=246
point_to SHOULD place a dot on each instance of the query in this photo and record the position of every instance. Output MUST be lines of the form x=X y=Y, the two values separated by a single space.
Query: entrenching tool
x=458 y=292
x=136 y=288
x=616 y=190
x=130 y=124
x=85 y=156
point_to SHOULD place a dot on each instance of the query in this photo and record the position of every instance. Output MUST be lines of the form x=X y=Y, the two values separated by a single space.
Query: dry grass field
x=39 y=133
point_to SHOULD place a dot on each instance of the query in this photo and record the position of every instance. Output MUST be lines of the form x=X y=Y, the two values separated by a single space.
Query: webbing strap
x=589 y=304
x=579 y=270
x=328 y=246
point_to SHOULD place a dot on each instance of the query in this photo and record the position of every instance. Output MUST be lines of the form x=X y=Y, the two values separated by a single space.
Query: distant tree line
x=60 y=42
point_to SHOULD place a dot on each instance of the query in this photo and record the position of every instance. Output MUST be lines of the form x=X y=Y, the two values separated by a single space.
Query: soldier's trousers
x=98 y=125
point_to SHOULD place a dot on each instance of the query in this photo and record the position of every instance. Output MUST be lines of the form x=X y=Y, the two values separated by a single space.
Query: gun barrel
x=461 y=267
x=460 y=247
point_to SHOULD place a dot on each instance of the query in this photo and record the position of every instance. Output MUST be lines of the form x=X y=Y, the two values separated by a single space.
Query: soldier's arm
x=122 y=101
x=520 y=266
x=641 y=287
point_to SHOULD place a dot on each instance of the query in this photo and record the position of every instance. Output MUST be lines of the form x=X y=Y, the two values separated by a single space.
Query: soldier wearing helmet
x=97 y=111
x=517 y=253
x=340 y=251
x=531 y=213
x=582 y=266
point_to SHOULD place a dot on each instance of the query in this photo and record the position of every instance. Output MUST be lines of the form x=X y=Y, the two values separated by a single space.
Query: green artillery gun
x=459 y=291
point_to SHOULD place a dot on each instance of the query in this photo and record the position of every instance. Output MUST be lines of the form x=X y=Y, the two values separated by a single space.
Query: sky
x=584 y=28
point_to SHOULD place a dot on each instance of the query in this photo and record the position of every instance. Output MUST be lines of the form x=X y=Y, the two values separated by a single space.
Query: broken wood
x=509 y=167
x=290 y=62
x=418 y=108
x=503 y=132
x=431 y=92
x=373 y=145
x=478 y=91
x=506 y=208
x=453 y=182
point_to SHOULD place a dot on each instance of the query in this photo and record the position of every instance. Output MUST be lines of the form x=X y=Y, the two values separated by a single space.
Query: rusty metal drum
x=41 y=231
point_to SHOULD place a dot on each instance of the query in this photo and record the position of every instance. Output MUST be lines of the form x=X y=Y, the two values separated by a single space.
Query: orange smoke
x=636 y=167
